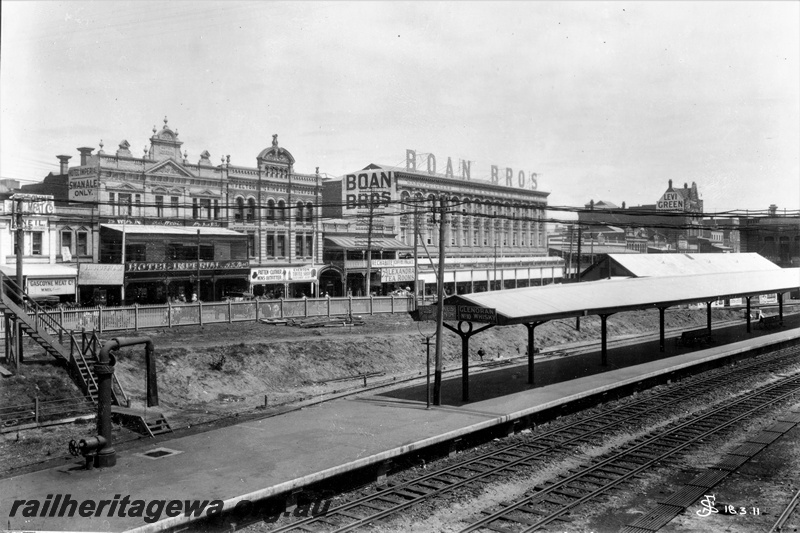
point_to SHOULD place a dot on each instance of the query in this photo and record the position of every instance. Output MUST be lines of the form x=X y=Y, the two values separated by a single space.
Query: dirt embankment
x=208 y=371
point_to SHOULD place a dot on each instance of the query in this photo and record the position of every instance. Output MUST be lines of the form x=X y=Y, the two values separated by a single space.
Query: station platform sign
x=452 y=313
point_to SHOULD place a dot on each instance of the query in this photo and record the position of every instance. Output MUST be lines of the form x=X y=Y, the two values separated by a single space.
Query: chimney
x=64 y=163
x=85 y=154
x=623 y=205
x=670 y=184
x=773 y=210
x=591 y=205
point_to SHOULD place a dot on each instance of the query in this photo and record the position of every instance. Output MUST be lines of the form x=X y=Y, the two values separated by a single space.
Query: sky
x=602 y=100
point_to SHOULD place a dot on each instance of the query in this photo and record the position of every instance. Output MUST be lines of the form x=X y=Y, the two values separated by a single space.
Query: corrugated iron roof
x=647 y=265
x=520 y=306
x=40 y=270
x=171 y=230
x=360 y=243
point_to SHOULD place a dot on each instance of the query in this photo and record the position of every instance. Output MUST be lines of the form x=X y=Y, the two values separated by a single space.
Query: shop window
x=159 y=206
x=270 y=245
x=175 y=205
x=281 y=249
x=66 y=240
x=135 y=252
x=251 y=210
x=36 y=243
x=298 y=246
x=271 y=210
x=83 y=243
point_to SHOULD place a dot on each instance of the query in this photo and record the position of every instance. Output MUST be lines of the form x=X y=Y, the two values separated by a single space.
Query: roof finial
x=101 y=144
x=154 y=129
x=165 y=121
x=275 y=140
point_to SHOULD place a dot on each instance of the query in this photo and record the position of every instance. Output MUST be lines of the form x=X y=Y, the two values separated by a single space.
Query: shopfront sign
x=169 y=266
x=50 y=286
x=29 y=223
x=283 y=274
x=466 y=313
x=507 y=176
x=393 y=275
x=382 y=263
x=32 y=204
x=100 y=274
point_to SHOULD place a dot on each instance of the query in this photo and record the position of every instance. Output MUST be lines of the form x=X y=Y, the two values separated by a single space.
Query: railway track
x=494 y=464
x=553 y=500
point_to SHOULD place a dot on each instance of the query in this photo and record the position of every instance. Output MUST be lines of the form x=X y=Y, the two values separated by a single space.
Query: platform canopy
x=605 y=297
x=648 y=265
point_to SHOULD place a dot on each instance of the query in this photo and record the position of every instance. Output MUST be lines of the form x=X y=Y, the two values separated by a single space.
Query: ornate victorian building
x=495 y=235
x=183 y=229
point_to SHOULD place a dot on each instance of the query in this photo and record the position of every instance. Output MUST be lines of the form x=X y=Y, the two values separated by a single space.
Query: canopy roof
x=532 y=304
x=171 y=230
x=360 y=243
x=41 y=270
x=645 y=265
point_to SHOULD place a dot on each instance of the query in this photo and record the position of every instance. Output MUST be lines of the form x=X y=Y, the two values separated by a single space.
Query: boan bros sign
x=375 y=188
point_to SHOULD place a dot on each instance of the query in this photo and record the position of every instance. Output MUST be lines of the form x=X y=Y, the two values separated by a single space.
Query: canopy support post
x=604 y=339
x=747 y=298
x=531 y=326
x=708 y=316
x=465 y=335
x=780 y=307
x=661 y=328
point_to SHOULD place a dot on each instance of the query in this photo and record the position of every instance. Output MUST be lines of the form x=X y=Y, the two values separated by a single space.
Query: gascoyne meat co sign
x=507 y=176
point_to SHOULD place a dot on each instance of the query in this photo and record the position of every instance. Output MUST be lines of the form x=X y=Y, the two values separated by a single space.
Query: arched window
x=300 y=212
x=239 y=213
x=309 y=212
x=251 y=209
x=282 y=209
x=271 y=210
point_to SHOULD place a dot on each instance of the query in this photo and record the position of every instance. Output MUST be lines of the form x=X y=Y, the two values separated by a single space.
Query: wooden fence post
x=36 y=408
x=169 y=314
x=230 y=312
x=256 y=304
x=136 y=317
x=100 y=320
x=327 y=297
x=305 y=306
x=281 y=306
x=200 y=311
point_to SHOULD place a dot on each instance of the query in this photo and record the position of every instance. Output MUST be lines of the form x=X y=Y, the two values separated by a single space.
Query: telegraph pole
x=437 y=379
x=367 y=281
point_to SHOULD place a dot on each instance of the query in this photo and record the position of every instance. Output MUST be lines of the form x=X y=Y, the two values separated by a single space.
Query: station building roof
x=532 y=304
x=672 y=264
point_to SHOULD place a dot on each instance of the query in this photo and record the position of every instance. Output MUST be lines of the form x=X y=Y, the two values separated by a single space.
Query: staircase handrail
x=85 y=363
x=40 y=313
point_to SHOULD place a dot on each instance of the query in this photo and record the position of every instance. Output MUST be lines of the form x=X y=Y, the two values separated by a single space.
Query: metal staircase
x=78 y=354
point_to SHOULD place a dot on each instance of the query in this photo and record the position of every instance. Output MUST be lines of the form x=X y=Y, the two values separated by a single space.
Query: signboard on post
x=474 y=313
x=452 y=313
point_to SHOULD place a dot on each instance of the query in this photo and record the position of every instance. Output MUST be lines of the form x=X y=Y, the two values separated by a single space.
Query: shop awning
x=41 y=270
x=360 y=243
x=171 y=230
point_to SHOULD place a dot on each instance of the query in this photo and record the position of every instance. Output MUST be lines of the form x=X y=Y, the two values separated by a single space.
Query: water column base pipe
x=106 y=456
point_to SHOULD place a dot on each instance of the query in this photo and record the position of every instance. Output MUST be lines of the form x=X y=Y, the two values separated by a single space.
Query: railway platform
x=258 y=459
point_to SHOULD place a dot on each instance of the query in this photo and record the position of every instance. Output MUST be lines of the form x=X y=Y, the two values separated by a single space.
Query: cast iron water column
x=104 y=368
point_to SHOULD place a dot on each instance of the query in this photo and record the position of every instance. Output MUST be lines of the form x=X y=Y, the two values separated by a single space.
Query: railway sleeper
x=372 y=506
x=350 y=515
x=407 y=495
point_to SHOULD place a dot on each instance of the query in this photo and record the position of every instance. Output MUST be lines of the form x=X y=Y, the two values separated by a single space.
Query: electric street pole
x=437 y=378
